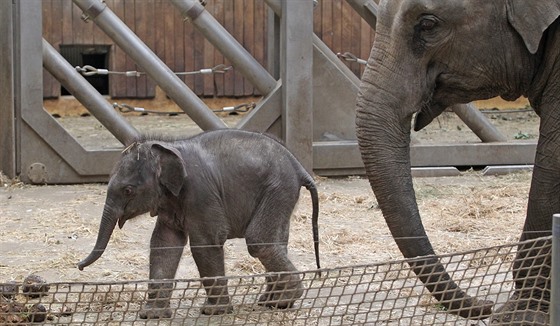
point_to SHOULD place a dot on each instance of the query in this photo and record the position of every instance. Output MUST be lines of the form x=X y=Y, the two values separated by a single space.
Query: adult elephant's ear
x=171 y=167
x=531 y=18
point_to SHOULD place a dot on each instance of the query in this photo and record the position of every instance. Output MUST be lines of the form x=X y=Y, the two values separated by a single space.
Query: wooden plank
x=144 y=12
x=151 y=42
x=99 y=37
x=355 y=38
x=130 y=21
x=337 y=26
x=229 y=78
x=248 y=37
x=182 y=48
x=117 y=83
x=194 y=45
x=141 y=30
x=51 y=32
x=208 y=80
x=159 y=28
x=170 y=30
x=366 y=42
x=346 y=30
x=67 y=30
x=259 y=51
x=238 y=34
x=326 y=23
x=218 y=79
x=198 y=52
x=188 y=38
x=318 y=20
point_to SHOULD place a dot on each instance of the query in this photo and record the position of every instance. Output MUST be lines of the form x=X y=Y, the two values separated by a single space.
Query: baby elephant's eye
x=128 y=191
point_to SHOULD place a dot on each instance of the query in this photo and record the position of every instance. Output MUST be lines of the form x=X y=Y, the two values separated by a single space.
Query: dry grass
x=47 y=230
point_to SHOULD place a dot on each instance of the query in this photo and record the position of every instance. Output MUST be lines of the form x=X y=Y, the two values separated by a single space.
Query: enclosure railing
x=384 y=293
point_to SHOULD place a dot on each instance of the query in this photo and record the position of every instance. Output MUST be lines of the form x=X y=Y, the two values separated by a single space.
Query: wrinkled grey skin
x=428 y=55
x=215 y=186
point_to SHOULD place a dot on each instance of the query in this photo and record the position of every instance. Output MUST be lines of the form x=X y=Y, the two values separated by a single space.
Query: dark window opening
x=96 y=56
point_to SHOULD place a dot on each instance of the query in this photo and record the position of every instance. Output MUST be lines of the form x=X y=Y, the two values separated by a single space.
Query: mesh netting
x=387 y=294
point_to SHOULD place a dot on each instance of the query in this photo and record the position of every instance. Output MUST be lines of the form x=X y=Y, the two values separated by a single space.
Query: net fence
x=377 y=294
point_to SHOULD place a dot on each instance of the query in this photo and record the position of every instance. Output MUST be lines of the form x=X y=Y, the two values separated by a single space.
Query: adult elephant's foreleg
x=532 y=265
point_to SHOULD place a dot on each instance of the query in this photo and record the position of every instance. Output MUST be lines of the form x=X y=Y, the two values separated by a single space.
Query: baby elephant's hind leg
x=267 y=239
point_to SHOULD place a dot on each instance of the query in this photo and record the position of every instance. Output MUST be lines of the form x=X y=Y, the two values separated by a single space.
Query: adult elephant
x=431 y=54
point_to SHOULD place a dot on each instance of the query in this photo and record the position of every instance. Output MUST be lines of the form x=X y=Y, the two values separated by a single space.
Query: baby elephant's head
x=145 y=172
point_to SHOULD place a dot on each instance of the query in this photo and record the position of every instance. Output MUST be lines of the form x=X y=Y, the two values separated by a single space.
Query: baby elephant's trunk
x=106 y=227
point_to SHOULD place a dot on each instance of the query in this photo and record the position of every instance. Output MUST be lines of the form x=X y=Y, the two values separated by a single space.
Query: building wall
x=159 y=24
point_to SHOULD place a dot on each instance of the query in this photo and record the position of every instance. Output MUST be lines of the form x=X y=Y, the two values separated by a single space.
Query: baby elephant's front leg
x=157 y=304
x=166 y=248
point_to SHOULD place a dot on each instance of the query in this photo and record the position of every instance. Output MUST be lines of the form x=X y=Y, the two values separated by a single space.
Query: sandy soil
x=46 y=230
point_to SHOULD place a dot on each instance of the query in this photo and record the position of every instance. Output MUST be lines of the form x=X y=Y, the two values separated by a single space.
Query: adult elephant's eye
x=427 y=24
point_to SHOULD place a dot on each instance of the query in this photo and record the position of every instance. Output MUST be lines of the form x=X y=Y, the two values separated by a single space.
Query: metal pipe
x=478 y=123
x=554 y=308
x=150 y=63
x=87 y=95
x=217 y=35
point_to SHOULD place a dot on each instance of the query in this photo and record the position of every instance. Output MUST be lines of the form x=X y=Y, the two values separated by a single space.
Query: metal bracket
x=95 y=8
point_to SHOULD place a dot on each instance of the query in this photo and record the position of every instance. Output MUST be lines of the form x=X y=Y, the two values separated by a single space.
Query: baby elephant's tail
x=310 y=185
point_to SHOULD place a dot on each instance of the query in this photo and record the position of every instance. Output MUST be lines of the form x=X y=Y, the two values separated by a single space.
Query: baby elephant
x=214 y=186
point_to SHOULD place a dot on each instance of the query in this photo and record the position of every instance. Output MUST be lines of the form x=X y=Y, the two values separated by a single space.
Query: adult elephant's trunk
x=383 y=130
x=106 y=227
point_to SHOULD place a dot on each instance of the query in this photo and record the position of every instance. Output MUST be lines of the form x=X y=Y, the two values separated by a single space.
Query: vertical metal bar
x=478 y=123
x=7 y=111
x=150 y=63
x=28 y=81
x=555 y=272
x=87 y=95
x=296 y=62
x=217 y=35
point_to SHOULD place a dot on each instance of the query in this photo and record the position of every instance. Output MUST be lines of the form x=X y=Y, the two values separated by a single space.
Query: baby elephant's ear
x=172 y=167
x=530 y=18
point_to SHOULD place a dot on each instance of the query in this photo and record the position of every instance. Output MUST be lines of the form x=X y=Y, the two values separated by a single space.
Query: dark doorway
x=96 y=56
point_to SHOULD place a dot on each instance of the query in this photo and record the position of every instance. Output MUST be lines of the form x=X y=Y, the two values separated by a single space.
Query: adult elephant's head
x=428 y=55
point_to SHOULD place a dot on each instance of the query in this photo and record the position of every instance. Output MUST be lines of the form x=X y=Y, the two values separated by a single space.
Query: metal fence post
x=8 y=130
x=296 y=62
x=555 y=272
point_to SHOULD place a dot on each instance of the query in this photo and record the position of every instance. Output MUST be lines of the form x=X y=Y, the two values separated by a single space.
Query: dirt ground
x=47 y=230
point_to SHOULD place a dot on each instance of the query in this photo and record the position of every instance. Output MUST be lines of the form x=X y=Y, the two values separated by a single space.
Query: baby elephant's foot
x=282 y=292
x=218 y=306
x=152 y=311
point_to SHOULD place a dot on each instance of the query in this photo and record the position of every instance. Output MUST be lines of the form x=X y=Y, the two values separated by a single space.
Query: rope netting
x=377 y=294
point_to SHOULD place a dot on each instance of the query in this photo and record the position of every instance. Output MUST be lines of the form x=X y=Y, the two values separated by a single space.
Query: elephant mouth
x=121 y=221
x=426 y=115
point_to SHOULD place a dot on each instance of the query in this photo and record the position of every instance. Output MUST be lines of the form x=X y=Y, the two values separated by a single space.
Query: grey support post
x=151 y=63
x=296 y=62
x=8 y=134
